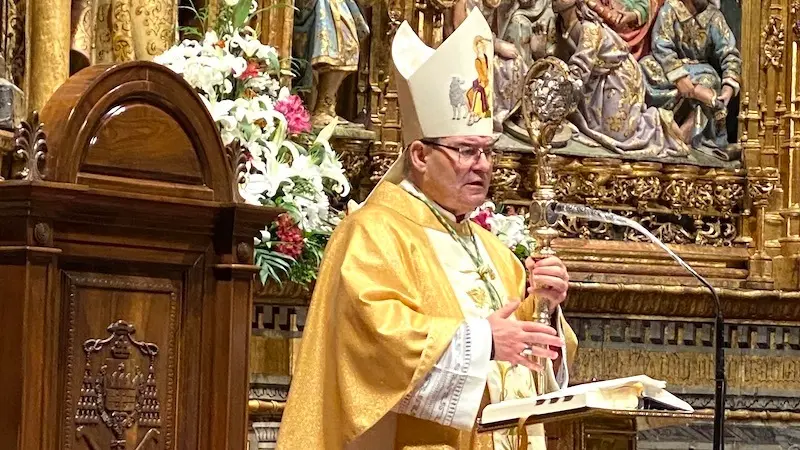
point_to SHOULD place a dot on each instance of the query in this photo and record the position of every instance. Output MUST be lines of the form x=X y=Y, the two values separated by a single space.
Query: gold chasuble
x=391 y=294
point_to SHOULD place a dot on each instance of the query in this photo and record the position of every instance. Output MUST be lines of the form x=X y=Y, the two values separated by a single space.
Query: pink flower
x=482 y=219
x=297 y=116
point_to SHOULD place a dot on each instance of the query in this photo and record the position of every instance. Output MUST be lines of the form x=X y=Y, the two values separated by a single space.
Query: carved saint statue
x=105 y=31
x=611 y=106
x=694 y=69
x=327 y=35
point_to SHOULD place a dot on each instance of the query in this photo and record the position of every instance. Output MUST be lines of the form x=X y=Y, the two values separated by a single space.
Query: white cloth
x=451 y=393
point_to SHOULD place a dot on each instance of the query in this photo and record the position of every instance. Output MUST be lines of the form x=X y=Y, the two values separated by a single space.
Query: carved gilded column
x=763 y=133
x=426 y=17
x=384 y=111
x=48 y=42
x=773 y=152
x=276 y=23
x=786 y=276
x=761 y=185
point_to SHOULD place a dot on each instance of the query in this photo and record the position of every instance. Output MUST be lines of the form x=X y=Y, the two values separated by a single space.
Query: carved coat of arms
x=122 y=392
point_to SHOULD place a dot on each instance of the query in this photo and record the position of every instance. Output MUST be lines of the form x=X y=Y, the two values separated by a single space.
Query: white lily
x=210 y=38
x=280 y=168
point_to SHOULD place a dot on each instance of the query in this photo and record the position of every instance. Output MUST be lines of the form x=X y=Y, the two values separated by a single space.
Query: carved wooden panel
x=139 y=140
x=120 y=362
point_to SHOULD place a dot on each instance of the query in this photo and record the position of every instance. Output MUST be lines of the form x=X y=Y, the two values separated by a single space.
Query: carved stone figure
x=630 y=19
x=326 y=41
x=105 y=31
x=694 y=70
x=611 y=105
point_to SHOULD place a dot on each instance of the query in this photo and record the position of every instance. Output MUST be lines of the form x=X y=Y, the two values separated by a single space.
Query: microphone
x=555 y=209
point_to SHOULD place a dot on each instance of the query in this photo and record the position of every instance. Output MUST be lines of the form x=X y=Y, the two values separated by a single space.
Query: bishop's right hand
x=513 y=337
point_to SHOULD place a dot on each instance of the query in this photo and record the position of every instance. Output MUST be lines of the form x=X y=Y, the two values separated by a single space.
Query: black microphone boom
x=555 y=209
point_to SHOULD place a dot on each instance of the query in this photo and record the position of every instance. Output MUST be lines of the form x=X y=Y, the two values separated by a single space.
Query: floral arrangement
x=511 y=229
x=238 y=79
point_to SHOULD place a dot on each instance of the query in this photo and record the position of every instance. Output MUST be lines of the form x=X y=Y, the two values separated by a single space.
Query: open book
x=632 y=393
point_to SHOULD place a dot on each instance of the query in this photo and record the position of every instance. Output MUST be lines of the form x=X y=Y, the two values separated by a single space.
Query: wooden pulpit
x=126 y=271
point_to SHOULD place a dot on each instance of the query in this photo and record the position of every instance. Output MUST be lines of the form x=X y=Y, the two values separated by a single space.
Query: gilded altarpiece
x=635 y=312
x=737 y=223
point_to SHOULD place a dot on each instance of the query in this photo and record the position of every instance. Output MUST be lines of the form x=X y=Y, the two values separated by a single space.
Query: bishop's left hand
x=548 y=280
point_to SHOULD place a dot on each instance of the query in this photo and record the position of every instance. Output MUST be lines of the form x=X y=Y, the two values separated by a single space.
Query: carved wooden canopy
x=135 y=128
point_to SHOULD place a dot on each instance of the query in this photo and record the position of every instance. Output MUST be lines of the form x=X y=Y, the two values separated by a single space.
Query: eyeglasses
x=466 y=154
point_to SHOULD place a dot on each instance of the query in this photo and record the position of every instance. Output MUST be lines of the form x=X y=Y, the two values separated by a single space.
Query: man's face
x=456 y=180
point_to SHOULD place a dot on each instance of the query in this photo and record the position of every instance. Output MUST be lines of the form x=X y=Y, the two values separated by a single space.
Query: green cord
x=483 y=270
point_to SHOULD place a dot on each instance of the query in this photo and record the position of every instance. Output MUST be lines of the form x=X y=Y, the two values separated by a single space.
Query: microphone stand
x=548 y=96
x=555 y=209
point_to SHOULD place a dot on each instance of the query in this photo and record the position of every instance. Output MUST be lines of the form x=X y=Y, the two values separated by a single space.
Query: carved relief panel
x=120 y=362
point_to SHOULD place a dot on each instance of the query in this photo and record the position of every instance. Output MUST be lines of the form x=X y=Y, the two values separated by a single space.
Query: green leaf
x=190 y=31
x=280 y=132
x=273 y=264
x=240 y=13
x=327 y=132
x=274 y=64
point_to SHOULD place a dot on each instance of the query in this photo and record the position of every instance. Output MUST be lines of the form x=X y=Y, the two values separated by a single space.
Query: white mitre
x=443 y=92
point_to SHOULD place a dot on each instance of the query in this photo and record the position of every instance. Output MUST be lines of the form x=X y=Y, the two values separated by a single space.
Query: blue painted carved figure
x=694 y=69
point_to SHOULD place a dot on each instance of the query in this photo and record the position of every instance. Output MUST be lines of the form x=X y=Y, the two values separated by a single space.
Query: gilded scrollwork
x=566 y=186
x=727 y=195
x=677 y=192
x=668 y=231
x=717 y=232
x=760 y=185
x=506 y=178
x=702 y=197
x=597 y=184
x=774 y=41
x=505 y=182
x=379 y=165
x=622 y=189
x=680 y=203
x=712 y=231
x=644 y=190
x=579 y=228
x=14 y=41
x=354 y=165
